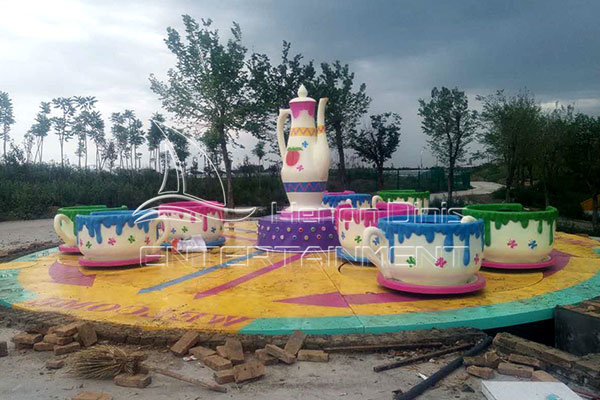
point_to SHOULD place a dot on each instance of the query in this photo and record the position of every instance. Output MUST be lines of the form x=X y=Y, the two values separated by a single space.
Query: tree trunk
x=5 y=139
x=380 y=177
x=450 y=181
x=86 y=150
x=339 y=142
x=42 y=150
x=62 y=158
x=227 y=161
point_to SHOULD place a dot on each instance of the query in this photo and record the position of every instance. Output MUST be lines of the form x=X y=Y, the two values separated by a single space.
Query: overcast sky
x=400 y=49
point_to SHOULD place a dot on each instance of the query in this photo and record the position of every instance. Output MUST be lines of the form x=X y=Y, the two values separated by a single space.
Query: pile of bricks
x=231 y=364
x=518 y=357
x=584 y=370
x=61 y=340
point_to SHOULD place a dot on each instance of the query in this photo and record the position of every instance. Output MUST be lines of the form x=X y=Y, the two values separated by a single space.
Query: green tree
x=154 y=137
x=6 y=117
x=180 y=145
x=511 y=124
x=548 y=151
x=82 y=125
x=211 y=144
x=63 y=123
x=40 y=129
x=109 y=154
x=135 y=135
x=209 y=85
x=377 y=143
x=345 y=108
x=450 y=127
x=259 y=151
x=583 y=147
x=273 y=86
x=121 y=136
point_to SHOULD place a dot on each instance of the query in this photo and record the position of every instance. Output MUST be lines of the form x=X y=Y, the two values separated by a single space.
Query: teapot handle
x=283 y=114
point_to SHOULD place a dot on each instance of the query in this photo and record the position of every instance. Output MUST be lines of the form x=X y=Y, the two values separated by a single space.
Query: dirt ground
x=345 y=376
x=18 y=238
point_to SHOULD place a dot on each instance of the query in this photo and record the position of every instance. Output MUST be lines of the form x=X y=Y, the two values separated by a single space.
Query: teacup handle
x=376 y=199
x=165 y=234
x=381 y=259
x=61 y=221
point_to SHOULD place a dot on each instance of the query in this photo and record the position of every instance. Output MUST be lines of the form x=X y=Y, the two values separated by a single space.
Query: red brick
x=313 y=355
x=55 y=363
x=280 y=354
x=225 y=376
x=221 y=351
x=87 y=334
x=28 y=339
x=525 y=360
x=43 y=346
x=248 y=370
x=542 y=376
x=295 y=342
x=265 y=358
x=139 y=381
x=201 y=352
x=187 y=341
x=488 y=360
x=67 y=330
x=66 y=349
x=480 y=372
x=234 y=351
x=520 y=371
x=59 y=340
x=217 y=363
x=92 y=396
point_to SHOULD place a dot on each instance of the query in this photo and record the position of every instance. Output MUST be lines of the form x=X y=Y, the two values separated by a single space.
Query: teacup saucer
x=119 y=263
x=63 y=248
x=344 y=255
x=545 y=263
x=476 y=283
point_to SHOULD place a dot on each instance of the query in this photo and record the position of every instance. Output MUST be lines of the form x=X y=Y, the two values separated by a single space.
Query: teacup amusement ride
x=328 y=263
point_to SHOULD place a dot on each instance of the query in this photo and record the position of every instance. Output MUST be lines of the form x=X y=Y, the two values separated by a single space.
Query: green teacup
x=64 y=221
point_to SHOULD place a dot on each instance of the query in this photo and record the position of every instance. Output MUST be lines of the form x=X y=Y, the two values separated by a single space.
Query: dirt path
x=21 y=237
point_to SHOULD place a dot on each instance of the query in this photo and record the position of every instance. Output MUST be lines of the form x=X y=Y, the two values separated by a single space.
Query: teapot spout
x=321 y=115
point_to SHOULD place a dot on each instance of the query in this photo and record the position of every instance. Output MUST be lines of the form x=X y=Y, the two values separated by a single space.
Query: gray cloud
x=399 y=49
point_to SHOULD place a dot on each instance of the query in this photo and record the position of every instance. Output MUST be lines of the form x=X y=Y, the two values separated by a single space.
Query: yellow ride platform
x=238 y=288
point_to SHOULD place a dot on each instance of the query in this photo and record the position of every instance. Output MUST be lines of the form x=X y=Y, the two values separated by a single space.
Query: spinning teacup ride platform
x=246 y=290
x=285 y=272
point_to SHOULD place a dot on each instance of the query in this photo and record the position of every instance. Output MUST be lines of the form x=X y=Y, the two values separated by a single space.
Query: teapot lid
x=302 y=95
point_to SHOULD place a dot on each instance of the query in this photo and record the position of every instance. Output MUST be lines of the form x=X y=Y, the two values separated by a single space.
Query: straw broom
x=102 y=362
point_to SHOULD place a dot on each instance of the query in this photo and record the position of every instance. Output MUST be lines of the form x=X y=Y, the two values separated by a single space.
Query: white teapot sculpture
x=306 y=156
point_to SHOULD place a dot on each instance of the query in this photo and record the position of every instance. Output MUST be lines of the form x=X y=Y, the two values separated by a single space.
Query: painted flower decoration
x=147 y=241
x=300 y=167
x=213 y=229
x=173 y=231
x=512 y=243
x=376 y=241
x=112 y=241
x=440 y=262
x=411 y=261
x=476 y=258
x=88 y=244
x=131 y=239
x=358 y=239
x=532 y=244
x=184 y=229
x=343 y=235
x=305 y=144
x=80 y=242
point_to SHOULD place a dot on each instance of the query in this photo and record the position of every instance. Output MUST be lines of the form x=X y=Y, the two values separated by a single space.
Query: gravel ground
x=345 y=376
x=22 y=237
